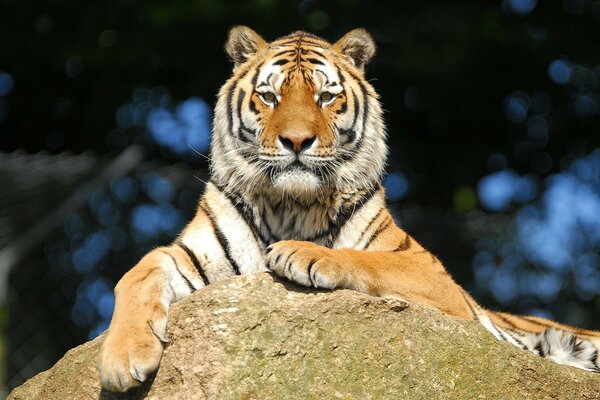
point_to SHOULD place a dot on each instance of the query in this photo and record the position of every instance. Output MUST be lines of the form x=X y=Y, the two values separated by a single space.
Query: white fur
x=351 y=232
x=242 y=246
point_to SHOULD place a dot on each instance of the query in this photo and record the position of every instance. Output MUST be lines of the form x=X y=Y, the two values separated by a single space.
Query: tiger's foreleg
x=414 y=275
x=133 y=347
x=216 y=244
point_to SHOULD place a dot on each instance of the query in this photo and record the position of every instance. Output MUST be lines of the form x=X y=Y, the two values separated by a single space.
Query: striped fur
x=297 y=156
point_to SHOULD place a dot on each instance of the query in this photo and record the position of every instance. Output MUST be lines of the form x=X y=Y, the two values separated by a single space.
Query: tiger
x=298 y=152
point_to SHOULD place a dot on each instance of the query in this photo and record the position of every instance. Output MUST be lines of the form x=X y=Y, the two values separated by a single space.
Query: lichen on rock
x=256 y=337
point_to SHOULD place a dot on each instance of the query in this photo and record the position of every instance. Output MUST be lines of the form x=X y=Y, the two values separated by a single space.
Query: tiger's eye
x=326 y=97
x=269 y=97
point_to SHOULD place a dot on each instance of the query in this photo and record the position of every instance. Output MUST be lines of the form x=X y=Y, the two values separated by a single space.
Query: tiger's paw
x=130 y=354
x=306 y=263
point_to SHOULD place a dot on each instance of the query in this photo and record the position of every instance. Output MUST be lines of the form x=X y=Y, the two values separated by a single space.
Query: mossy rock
x=256 y=337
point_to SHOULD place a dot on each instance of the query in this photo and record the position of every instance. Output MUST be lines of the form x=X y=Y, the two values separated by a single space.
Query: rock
x=255 y=337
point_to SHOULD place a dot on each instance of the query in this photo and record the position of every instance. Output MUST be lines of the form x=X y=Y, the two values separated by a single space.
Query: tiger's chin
x=297 y=182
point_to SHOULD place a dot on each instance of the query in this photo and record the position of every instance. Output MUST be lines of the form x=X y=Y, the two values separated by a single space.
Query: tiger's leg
x=557 y=342
x=132 y=348
x=217 y=244
x=416 y=276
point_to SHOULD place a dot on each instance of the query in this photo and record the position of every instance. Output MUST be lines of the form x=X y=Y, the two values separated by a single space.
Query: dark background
x=492 y=110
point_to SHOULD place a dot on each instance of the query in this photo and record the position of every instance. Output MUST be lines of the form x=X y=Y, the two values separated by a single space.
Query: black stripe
x=246 y=213
x=309 y=272
x=285 y=42
x=365 y=108
x=343 y=108
x=255 y=77
x=575 y=344
x=230 y=98
x=306 y=51
x=341 y=76
x=314 y=61
x=263 y=83
x=521 y=344
x=376 y=234
x=304 y=39
x=404 y=245
x=506 y=321
x=535 y=322
x=348 y=212
x=306 y=78
x=229 y=111
x=240 y=101
x=475 y=316
x=356 y=109
x=500 y=331
x=371 y=222
x=221 y=238
x=281 y=62
x=192 y=288
x=243 y=128
x=352 y=132
x=539 y=349
x=595 y=359
x=194 y=260
x=284 y=52
x=252 y=106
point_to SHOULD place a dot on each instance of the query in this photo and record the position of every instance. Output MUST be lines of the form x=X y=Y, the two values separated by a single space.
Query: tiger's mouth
x=296 y=178
x=297 y=165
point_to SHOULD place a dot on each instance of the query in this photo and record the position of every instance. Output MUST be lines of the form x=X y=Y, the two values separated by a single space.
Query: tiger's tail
x=559 y=343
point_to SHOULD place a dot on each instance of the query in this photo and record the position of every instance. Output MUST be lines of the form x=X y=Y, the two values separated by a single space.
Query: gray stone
x=255 y=337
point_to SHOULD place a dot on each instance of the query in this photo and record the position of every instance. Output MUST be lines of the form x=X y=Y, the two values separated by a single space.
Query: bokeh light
x=557 y=231
x=396 y=185
x=184 y=131
x=516 y=107
x=7 y=84
x=560 y=71
x=499 y=190
x=519 y=7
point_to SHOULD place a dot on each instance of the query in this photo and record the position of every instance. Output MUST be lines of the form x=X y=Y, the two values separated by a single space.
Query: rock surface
x=255 y=337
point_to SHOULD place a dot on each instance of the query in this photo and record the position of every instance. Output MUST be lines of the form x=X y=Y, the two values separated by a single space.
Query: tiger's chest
x=330 y=220
x=295 y=222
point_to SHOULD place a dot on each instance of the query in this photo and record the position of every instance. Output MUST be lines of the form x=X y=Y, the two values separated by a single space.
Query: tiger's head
x=298 y=117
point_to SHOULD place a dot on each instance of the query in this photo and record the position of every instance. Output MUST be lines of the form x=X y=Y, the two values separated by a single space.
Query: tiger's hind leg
x=564 y=348
x=559 y=343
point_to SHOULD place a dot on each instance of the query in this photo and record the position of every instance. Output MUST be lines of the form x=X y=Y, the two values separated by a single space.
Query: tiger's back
x=297 y=155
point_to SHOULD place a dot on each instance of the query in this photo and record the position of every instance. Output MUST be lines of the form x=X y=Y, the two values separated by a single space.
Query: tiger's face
x=297 y=116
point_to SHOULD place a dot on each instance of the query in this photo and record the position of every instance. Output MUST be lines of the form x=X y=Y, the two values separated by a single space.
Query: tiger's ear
x=242 y=43
x=358 y=45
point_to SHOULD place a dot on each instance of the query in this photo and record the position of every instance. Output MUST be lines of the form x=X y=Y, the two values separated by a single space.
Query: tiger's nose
x=297 y=141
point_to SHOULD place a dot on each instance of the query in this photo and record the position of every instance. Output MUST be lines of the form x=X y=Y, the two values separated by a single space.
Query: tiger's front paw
x=306 y=263
x=131 y=352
